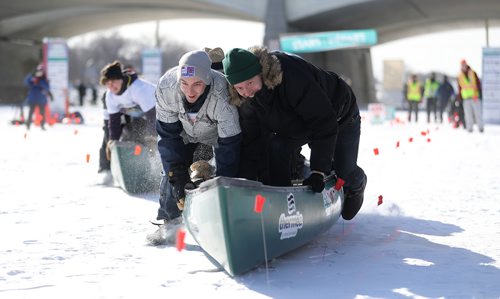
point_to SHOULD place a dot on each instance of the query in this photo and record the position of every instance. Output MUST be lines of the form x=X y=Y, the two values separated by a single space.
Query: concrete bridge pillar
x=17 y=60
x=355 y=67
x=275 y=22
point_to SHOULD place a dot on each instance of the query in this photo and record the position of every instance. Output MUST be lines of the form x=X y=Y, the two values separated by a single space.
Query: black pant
x=413 y=106
x=104 y=163
x=345 y=157
x=32 y=110
x=431 y=107
x=443 y=104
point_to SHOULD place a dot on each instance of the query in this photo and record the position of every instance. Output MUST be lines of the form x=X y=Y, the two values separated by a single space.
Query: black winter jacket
x=298 y=101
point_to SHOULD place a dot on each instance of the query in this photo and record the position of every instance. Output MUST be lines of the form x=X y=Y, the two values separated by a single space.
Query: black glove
x=315 y=180
x=178 y=177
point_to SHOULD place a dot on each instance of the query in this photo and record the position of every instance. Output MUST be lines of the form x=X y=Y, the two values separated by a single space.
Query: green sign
x=325 y=41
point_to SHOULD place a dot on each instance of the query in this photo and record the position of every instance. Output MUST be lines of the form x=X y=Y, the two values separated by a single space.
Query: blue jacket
x=39 y=89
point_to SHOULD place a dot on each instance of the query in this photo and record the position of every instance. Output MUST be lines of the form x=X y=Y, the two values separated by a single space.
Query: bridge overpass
x=24 y=23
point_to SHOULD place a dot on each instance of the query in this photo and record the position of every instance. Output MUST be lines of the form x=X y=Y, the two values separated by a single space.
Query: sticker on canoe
x=330 y=198
x=290 y=224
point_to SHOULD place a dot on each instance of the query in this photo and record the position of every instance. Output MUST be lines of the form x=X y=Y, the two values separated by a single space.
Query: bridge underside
x=23 y=23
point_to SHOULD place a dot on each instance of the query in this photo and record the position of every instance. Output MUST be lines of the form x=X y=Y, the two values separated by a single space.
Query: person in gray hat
x=192 y=107
x=205 y=152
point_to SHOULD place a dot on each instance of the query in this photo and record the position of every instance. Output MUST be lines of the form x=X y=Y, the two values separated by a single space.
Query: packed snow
x=429 y=227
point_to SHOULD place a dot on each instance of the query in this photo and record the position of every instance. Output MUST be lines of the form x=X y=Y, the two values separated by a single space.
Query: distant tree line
x=86 y=60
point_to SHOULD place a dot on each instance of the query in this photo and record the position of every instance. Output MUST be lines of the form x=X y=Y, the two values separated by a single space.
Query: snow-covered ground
x=67 y=233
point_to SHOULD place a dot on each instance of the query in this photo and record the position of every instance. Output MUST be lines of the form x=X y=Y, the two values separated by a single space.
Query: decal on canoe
x=290 y=199
x=290 y=224
x=330 y=198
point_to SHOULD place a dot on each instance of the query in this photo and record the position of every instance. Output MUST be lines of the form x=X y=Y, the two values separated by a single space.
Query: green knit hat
x=240 y=65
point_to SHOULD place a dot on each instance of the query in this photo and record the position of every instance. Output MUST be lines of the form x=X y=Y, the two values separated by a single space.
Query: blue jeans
x=168 y=205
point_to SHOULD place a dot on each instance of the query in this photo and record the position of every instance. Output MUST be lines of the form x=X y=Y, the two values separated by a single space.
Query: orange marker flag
x=423 y=133
x=137 y=150
x=375 y=151
x=87 y=158
x=411 y=139
x=180 y=244
x=380 y=200
x=259 y=203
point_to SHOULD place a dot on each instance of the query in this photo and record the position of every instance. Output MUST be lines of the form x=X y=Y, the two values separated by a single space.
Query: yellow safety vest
x=430 y=88
x=468 y=85
x=413 y=91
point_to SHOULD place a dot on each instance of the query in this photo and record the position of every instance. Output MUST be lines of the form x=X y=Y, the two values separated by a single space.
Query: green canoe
x=135 y=167
x=221 y=217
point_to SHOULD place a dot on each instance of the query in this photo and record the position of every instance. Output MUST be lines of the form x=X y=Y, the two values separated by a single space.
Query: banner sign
x=491 y=85
x=326 y=41
x=55 y=56
x=151 y=64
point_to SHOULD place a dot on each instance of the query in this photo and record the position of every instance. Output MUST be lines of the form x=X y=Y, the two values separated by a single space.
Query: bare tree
x=86 y=60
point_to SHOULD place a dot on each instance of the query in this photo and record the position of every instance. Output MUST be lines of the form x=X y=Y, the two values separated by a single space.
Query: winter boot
x=166 y=233
x=353 y=200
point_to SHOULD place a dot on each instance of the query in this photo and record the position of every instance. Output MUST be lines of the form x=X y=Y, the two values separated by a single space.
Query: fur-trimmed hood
x=272 y=75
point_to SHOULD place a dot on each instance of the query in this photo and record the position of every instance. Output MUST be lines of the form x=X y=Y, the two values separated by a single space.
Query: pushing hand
x=315 y=180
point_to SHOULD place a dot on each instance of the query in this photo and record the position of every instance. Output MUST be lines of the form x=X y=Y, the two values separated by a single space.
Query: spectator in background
x=39 y=91
x=431 y=87
x=82 y=91
x=413 y=94
x=469 y=89
x=93 y=88
x=444 y=96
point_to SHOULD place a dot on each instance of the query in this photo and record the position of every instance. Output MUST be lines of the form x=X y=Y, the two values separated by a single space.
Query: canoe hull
x=221 y=217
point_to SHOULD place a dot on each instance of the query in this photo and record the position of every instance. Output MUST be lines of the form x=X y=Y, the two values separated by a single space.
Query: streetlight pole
x=487 y=27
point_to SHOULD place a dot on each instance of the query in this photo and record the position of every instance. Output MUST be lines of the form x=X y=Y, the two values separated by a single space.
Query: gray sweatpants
x=473 y=113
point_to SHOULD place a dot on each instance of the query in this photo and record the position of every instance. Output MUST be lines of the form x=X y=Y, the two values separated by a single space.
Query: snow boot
x=353 y=200
x=166 y=233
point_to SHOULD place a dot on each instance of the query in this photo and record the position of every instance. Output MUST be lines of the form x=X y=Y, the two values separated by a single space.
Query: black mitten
x=315 y=180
